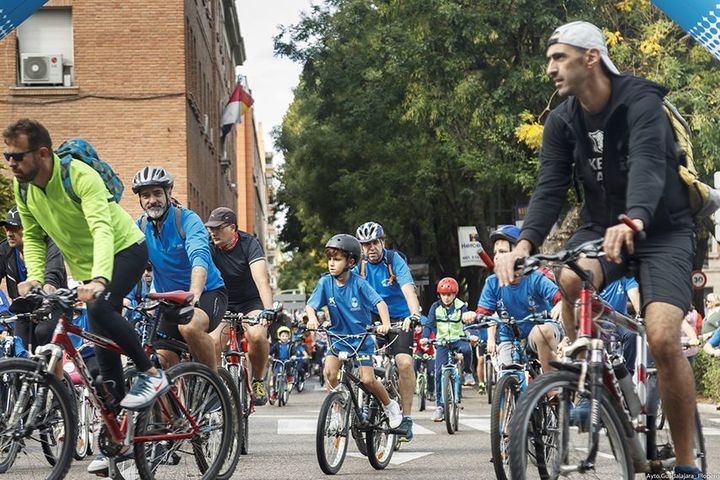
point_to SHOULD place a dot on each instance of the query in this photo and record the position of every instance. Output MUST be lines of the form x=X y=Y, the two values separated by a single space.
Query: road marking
x=296 y=426
x=420 y=430
x=398 y=458
x=716 y=420
x=280 y=415
x=711 y=431
x=482 y=424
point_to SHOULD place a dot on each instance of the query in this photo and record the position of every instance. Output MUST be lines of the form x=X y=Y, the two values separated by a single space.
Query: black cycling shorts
x=397 y=342
x=212 y=302
x=664 y=265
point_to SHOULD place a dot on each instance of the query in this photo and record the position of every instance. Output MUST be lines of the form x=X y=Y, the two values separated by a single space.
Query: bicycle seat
x=177 y=297
x=379 y=372
x=512 y=366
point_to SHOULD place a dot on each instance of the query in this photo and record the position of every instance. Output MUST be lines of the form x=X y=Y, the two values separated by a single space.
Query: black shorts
x=480 y=348
x=397 y=342
x=212 y=302
x=664 y=265
x=246 y=306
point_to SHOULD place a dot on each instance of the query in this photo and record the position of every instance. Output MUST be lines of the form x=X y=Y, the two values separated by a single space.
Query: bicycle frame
x=453 y=366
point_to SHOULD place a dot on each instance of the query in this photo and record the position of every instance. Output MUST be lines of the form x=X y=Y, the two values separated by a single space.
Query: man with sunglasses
x=241 y=261
x=14 y=270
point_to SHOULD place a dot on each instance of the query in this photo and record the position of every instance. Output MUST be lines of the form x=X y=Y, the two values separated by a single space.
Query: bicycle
x=176 y=417
x=451 y=383
x=422 y=383
x=491 y=368
x=346 y=404
x=279 y=385
x=588 y=374
x=512 y=380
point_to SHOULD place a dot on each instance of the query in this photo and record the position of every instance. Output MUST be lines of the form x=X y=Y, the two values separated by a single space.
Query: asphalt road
x=282 y=445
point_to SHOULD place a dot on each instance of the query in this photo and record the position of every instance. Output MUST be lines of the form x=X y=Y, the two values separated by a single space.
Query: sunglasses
x=17 y=156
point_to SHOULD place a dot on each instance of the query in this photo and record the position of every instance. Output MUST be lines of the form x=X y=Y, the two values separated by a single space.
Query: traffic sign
x=699 y=279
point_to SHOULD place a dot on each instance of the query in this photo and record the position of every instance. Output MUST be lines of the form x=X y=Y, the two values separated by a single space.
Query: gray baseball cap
x=584 y=35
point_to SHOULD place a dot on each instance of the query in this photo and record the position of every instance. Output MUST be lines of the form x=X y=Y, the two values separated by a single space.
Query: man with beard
x=180 y=258
x=241 y=261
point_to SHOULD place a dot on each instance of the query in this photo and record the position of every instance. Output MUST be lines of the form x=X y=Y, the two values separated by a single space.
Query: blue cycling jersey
x=174 y=258
x=378 y=275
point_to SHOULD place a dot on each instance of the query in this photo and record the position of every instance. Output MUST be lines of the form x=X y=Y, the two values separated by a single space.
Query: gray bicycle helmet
x=369 y=231
x=151 y=177
x=346 y=243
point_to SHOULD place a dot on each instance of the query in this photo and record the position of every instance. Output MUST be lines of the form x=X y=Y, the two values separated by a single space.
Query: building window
x=45 y=49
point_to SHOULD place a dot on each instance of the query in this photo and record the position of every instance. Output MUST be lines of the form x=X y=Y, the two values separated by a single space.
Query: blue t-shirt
x=533 y=290
x=715 y=339
x=173 y=259
x=378 y=275
x=349 y=305
x=284 y=350
x=616 y=293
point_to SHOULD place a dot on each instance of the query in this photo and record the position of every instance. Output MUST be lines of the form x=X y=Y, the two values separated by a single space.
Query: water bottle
x=626 y=386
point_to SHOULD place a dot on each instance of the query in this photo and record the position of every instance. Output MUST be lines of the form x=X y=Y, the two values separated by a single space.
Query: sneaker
x=687 y=472
x=406 y=425
x=259 y=395
x=482 y=389
x=438 y=415
x=145 y=390
x=469 y=380
x=100 y=466
x=392 y=410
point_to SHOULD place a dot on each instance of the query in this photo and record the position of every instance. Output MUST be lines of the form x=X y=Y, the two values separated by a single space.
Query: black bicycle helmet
x=346 y=243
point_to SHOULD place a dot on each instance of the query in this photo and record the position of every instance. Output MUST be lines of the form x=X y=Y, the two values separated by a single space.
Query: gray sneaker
x=438 y=415
x=469 y=380
x=145 y=390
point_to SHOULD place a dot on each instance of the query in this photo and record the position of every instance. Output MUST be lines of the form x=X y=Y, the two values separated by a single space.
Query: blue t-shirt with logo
x=378 y=275
x=349 y=305
x=533 y=290
x=616 y=293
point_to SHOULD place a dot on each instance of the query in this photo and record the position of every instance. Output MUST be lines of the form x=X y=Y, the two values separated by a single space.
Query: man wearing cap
x=612 y=137
x=241 y=261
x=13 y=270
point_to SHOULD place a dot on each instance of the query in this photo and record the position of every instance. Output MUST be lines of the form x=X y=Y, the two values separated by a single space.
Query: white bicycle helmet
x=151 y=177
x=369 y=231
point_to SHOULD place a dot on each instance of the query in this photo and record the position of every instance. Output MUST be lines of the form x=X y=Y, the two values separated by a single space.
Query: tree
x=424 y=115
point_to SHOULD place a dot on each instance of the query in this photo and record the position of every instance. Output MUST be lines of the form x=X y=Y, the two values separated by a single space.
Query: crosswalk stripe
x=296 y=426
x=482 y=424
x=711 y=431
x=398 y=458
x=420 y=430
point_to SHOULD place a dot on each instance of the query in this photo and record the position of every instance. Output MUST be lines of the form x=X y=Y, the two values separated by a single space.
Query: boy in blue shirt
x=350 y=299
x=533 y=291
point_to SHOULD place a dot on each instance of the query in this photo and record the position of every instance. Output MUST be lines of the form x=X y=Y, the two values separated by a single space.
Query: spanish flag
x=239 y=103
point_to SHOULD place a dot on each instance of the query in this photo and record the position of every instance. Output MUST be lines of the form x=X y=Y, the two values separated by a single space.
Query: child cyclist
x=445 y=320
x=350 y=299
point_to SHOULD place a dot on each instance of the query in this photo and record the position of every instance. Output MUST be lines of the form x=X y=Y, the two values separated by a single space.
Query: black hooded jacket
x=55 y=274
x=639 y=167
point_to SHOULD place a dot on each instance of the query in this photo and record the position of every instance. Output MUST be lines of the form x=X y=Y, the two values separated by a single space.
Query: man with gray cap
x=12 y=269
x=241 y=261
x=612 y=137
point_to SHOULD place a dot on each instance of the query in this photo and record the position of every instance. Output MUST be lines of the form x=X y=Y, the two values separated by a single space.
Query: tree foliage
x=424 y=115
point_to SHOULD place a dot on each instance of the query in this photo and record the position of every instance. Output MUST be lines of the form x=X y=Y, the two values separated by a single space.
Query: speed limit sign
x=699 y=279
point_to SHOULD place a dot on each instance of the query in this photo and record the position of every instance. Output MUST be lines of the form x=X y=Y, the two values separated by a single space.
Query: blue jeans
x=441 y=358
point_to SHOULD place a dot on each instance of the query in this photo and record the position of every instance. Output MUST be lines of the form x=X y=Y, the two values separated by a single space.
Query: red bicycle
x=191 y=424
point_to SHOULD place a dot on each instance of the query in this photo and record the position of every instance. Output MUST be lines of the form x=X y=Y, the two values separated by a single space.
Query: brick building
x=144 y=81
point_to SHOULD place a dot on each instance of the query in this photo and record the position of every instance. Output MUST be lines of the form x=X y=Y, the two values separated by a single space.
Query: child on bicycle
x=422 y=352
x=350 y=299
x=445 y=320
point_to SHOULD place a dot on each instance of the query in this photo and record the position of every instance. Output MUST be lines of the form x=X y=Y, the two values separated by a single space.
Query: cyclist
x=388 y=273
x=613 y=132
x=301 y=356
x=99 y=242
x=283 y=349
x=14 y=270
x=350 y=300
x=518 y=299
x=180 y=256
x=241 y=261
x=426 y=349
x=445 y=320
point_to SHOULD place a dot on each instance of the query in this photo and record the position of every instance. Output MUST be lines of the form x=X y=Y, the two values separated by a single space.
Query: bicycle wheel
x=9 y=448
x=300 y=383
x=85 y=412
x=506 y=392
x=280 y=388
x=448 y=389
x=50 y=443
x=199 y=390
x=489 y=378
x=379 y=441
x=540 y=429
x=239 y=373
x=47 y=400
x=332 y=432
x=422 y=389
x=357 y=434
x=233 y=457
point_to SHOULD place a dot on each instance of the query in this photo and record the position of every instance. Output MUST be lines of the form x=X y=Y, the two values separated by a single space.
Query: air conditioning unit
x=39 y=69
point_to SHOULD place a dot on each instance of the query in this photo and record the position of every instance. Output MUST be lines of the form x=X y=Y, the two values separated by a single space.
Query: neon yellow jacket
x=88 y=234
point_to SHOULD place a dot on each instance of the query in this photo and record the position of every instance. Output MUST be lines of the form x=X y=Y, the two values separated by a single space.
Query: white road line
x=711 y=431
x=296 y=426
x=482 y=424
x=420 y=430
x=398 y=458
